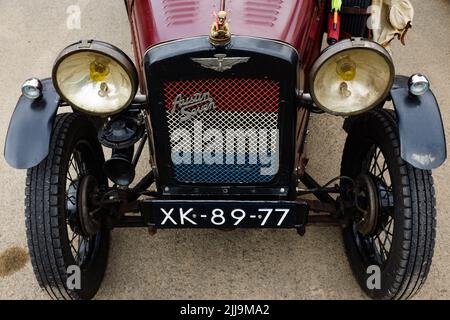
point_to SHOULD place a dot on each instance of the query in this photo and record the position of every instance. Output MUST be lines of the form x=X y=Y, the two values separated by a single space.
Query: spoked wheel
x=392 y=224
x=63 y=219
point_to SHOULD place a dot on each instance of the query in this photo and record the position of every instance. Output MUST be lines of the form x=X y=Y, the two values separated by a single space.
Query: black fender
x=28 y=138
x=421 y=131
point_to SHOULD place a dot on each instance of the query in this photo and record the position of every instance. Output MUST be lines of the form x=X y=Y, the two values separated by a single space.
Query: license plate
x=225 y=214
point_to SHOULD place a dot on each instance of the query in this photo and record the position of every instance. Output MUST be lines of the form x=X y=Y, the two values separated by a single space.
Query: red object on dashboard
x=334 y=26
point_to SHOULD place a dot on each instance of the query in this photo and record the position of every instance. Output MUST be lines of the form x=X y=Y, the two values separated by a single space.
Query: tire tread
x=419 y=215
x=44 y=223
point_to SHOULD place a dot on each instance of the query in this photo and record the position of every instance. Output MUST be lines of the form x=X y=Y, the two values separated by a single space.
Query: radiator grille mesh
x=233 y=140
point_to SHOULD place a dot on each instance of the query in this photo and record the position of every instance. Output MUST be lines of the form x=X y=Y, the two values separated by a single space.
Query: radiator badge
x=190 y=107
x=220 y=62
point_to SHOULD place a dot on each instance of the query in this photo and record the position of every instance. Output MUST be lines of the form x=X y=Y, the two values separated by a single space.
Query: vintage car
x=221 y=91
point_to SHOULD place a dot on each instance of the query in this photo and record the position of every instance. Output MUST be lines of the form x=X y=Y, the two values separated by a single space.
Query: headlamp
x=95 y=77
x=351 y=77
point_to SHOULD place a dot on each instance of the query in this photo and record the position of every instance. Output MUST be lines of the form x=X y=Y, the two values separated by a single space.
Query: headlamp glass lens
x=31 y=92
x=94 y=82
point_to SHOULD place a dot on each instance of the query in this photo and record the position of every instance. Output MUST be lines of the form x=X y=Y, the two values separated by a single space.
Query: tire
x=46 y=211
x=412 y=213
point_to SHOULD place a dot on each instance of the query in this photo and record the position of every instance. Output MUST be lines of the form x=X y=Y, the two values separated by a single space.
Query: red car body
x=297 y=22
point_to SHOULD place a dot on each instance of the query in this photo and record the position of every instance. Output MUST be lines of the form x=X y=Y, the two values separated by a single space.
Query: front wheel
x=66 y=241
x=392 y=226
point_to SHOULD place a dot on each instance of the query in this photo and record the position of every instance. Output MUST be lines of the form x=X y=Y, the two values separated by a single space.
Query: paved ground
x=209 y=264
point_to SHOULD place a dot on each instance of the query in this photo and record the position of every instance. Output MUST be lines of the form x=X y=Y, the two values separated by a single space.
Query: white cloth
x=390 y=19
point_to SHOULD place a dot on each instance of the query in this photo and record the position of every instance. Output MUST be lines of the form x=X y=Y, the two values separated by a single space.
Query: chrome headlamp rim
x=103 y=48
x=348 y=45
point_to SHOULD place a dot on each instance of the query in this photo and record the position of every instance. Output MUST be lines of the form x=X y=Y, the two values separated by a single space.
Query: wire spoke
x=71 y=199
x=79 y=164
x=382 y=249
x=69 y=176
x=377 y=246
x=74 y=161
x=373 y=169
x=379 y=169
x=74 y=236
x=78 y=251
x=386 y=237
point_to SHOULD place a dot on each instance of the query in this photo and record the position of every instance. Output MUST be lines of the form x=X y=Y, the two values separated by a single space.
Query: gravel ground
x=254 y=264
